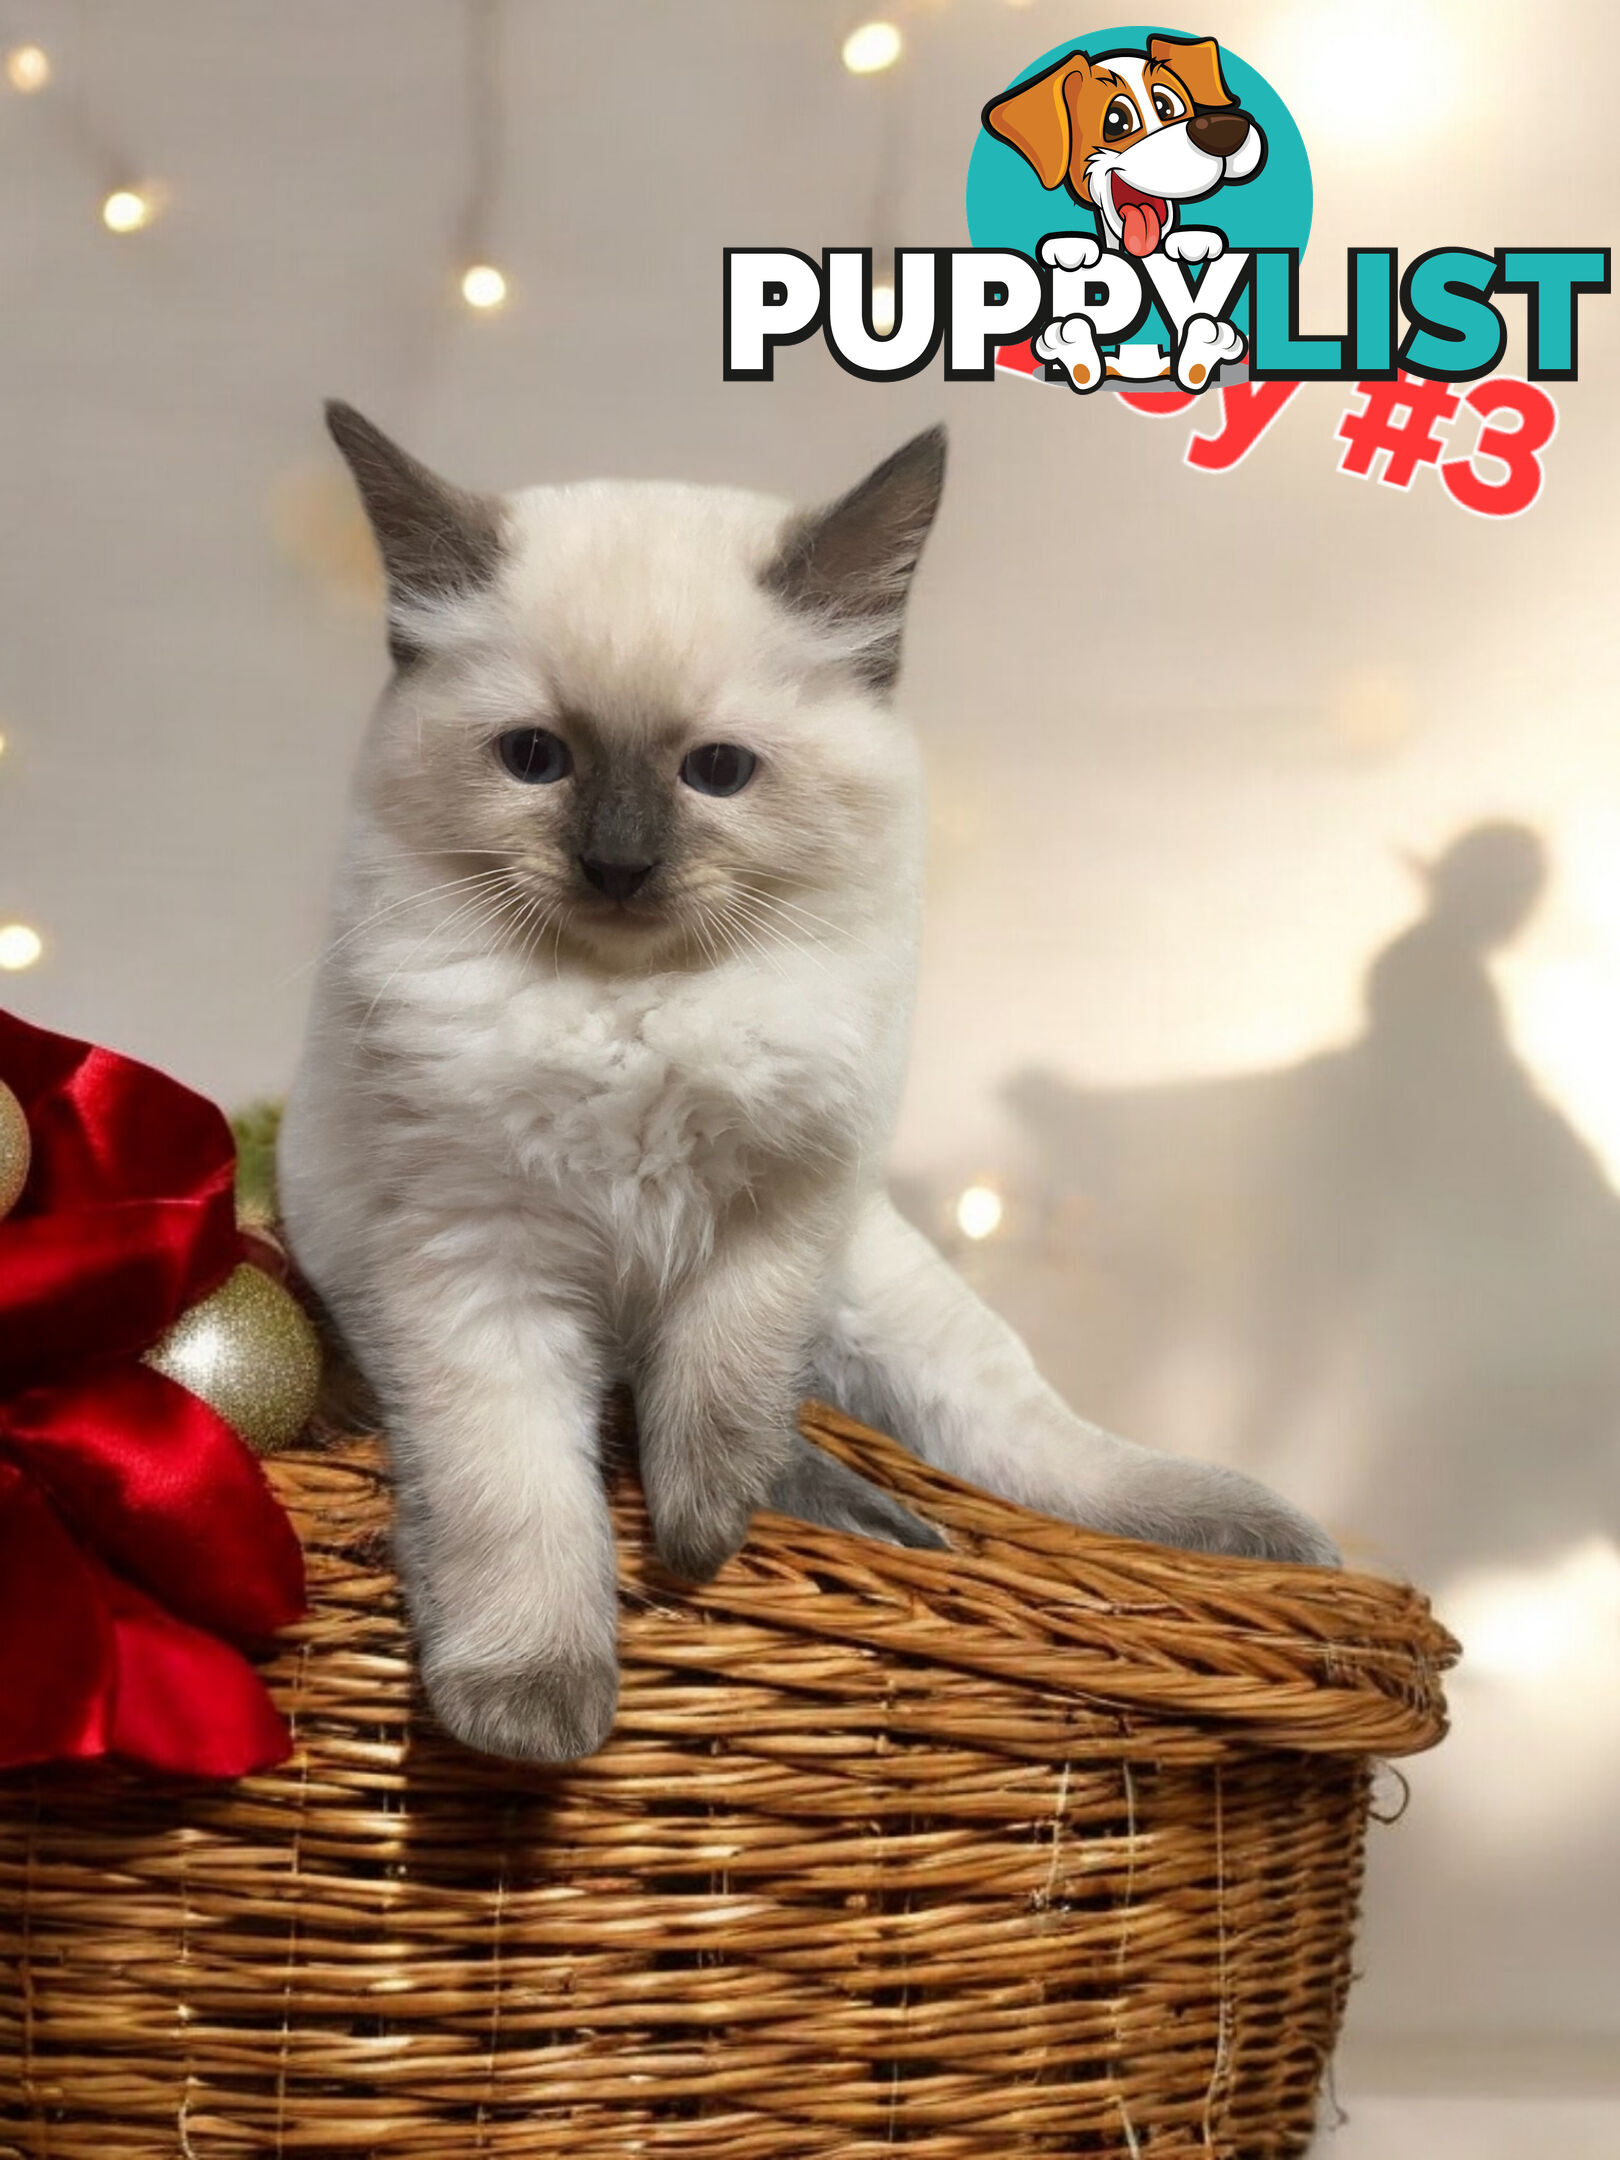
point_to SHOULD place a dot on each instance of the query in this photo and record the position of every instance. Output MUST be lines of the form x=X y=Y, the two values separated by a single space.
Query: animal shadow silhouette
x=1400 y=1245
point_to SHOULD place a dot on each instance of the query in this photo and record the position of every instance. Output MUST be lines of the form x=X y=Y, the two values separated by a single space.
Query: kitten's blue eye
x=534 y=754
x=719 y=768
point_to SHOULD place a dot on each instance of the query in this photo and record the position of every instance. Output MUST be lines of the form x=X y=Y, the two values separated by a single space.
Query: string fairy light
x=128 y=210
x=28 y=68
x=124 y=205
x=872 y=48
x=20 y=947
x=866 y=52
x=311 y=508
x=483 y=286
x=483 y=283
x=979 y=1212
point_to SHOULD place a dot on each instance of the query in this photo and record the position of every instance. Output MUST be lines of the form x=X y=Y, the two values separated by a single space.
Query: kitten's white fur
x=533 y=1149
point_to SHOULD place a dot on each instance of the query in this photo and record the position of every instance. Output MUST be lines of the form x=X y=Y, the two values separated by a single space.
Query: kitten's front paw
x=697 y=1533
x=1203 y=1507
x=701 y=1495
x=556 y=1712
x=819 y=1489
x=1274 y=1531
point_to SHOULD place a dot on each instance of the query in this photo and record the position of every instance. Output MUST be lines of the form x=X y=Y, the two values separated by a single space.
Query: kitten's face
x=654 y=715
x=638 y=734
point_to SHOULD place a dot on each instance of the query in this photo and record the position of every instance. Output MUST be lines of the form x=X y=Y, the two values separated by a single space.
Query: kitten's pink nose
x=617 y=879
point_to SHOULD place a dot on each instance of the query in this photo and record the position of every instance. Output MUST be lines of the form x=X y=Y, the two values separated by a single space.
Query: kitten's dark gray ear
x=434 y=539
x=851 y=563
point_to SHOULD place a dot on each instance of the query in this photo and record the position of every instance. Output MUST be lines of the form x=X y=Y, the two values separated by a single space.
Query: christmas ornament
x=140 y=1544
x=250 y=1353
x=16 y=1150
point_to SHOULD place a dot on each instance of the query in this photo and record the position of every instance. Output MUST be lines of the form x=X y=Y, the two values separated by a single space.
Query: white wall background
x=1183 y=731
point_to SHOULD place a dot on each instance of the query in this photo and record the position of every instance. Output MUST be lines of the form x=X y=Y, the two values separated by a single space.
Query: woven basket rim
x=1241 y=1653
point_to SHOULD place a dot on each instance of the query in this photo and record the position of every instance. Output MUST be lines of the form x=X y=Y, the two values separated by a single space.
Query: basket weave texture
x=1048 y=1845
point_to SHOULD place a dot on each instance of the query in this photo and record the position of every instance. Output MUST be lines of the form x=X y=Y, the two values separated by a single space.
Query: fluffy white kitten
x=604 y=1058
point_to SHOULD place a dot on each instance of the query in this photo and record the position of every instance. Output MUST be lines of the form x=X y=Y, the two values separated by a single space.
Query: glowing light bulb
x=20 y=947
x=872 y=48
x=126 y=210
x=979 y=1212
x=1421 y=64
x=483 y=286
x=883 y=308
x=1526 y=1624
x=28 y=68
x=2 y=746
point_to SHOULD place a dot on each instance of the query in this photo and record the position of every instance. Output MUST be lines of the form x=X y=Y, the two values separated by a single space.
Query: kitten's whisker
x=475 y=912
x=424 y=892
x=479 y=901
x=511 y=925
x=777 y=899
x=787 y=933
x=523 y=907
x=405 y=900
x=699 y=943
x=724 y=925
x=535 y=923
x=755 y=896
x=743 y=930
x=704 y=930
x=477 y=908
x=792 y=907
x=763 y=910
x=547 y=929
x=523 y=928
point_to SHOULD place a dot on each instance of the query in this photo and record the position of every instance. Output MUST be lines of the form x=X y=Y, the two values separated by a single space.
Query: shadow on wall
x=1387 y=1277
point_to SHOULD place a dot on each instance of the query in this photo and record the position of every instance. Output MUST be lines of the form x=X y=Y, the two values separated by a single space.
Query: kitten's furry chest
x=646 y=1107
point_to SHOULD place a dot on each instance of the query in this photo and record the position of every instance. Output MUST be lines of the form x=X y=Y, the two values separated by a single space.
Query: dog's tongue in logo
x=1141 y=228
x=1142 y=216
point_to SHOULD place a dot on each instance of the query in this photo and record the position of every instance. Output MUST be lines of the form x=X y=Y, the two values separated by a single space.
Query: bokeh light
x=126 y=210
x=28 y=68
x=872 y=48
x=484 y=287
x=20 y=946
x=979 y=1212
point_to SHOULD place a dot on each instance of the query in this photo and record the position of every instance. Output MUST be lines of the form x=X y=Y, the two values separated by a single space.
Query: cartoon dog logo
x=1132 y=136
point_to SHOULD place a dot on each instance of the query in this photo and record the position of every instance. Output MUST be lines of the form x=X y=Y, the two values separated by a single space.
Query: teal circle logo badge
x=1141 y=167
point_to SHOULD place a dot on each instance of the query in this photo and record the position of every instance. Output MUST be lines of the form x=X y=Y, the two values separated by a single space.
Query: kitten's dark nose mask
x=618 y=880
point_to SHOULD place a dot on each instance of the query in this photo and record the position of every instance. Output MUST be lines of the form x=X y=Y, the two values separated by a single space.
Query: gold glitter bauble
x=16 y=1150
x=250 y=1352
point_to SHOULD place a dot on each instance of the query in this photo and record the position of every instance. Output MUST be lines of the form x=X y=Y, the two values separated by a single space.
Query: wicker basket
x=1049 y=1845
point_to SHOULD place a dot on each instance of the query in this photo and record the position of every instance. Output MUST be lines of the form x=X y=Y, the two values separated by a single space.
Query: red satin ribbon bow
x=138 y=1535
